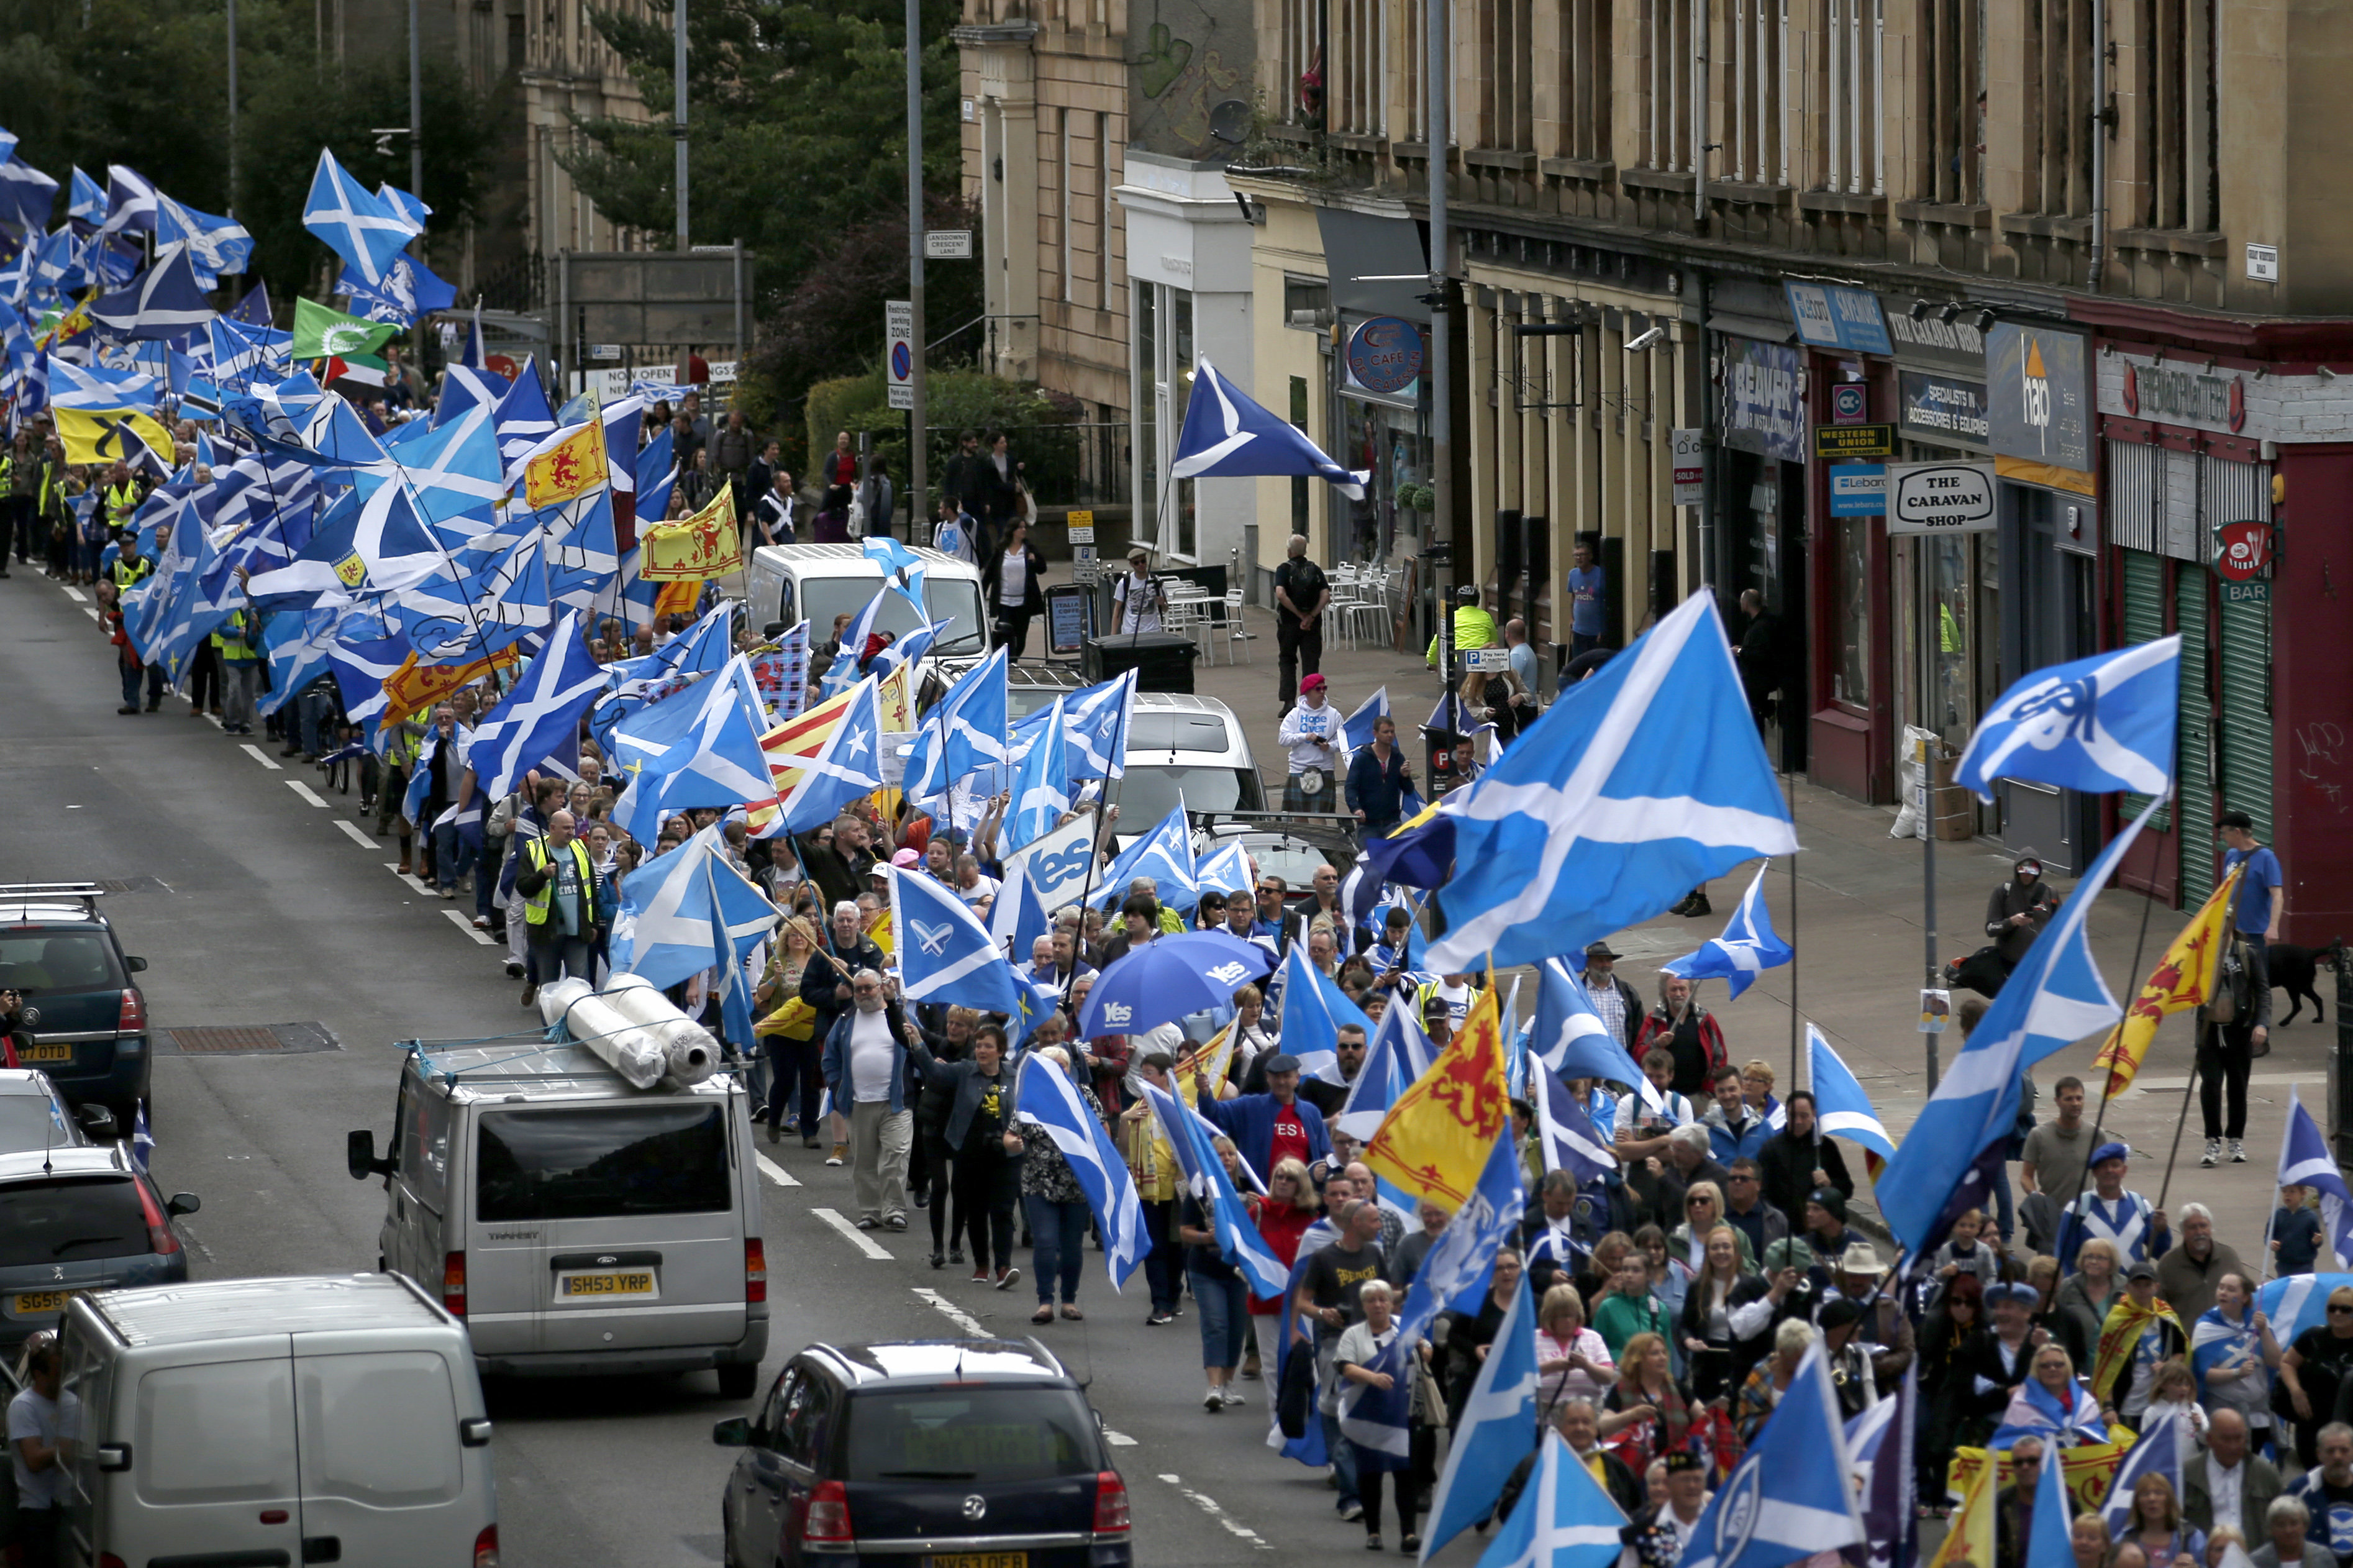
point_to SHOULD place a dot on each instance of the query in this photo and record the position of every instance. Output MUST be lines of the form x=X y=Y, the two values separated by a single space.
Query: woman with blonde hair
x=1646 y=1414
x=1572 y=1362
x=2156 y=1525
x=787 y=1036
x=1284 y=1216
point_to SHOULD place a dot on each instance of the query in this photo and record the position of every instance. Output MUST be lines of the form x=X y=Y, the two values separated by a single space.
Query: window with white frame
x=1164 y=386
x=1950 y=121
x=1856 y=154
x=1669 y=64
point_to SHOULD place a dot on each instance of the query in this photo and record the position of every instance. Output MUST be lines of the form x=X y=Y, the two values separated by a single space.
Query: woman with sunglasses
x=1284 y=1216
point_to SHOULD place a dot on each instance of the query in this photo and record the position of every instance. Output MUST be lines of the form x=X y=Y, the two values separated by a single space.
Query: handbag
x=2230 y=977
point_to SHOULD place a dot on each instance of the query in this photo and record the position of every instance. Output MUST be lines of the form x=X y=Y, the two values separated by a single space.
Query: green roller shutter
x=2245 y=751
x=2143 y=578
x=2196 y=787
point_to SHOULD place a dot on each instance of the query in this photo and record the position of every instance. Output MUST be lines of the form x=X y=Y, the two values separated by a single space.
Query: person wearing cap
x=1301 y=594
x=1658 y=1536
x=1885 y=1327
x=1272 y=1127
x=2141 y=1334
x=2263 y=893
x=1826 y=1231
x=1617 y=1002
x=1847 y=1349
x=2189 y=1272
x=1307 y=736
x=2019 y=909
x=1799 y=1161
x=1137 y=595
x=1993 y=1364
x=1473 y=628
x=2138 y=1227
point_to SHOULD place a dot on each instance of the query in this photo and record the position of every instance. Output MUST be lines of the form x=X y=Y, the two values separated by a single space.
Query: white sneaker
x=1213 y=1401
x=2213 y=1151
x=2237 y=1153
x=1231 y=1397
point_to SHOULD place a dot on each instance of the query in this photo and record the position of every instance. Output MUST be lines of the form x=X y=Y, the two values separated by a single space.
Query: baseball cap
x=2143 y=1269
x=2239 y=819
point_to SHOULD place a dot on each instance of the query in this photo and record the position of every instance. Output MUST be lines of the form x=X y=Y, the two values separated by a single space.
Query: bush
x=1041 y=425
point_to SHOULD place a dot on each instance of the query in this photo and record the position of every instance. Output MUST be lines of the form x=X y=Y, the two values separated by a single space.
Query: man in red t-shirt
x=1272 y=1127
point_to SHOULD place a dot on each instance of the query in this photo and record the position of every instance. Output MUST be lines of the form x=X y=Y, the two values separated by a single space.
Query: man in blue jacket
x=866 y=1068
x=1273 y=1126
x=1378 y=782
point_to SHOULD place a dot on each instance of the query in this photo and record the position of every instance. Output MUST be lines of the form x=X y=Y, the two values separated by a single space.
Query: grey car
x=35 y=1116
x=80 y=1219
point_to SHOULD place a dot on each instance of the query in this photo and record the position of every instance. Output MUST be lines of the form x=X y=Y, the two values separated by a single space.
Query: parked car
x=73 y=1220
x=925 y=1454
x=63 y=957
x=34 y=1115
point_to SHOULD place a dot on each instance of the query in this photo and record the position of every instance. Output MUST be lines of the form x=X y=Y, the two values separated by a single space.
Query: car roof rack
x=87 y=894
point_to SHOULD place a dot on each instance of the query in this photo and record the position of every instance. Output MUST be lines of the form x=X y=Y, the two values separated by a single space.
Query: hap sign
x=1940 y=498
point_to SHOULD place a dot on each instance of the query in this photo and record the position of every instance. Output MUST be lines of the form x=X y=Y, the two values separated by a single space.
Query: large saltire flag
x=1437 y=1137
x=2183 y=979
x=2098 y=723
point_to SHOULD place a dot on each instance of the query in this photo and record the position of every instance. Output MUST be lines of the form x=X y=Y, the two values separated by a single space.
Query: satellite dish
x=1230 y=122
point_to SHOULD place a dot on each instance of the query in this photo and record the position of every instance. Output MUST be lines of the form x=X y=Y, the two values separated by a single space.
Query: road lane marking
x=306 y=792
x=394 y=866
x=954 y=1313
x=466 y=924
x=263 y=757
x=1118 y=1439
x=74 y=593
x=858 y=1238
x=355 y=834
x=1208 y=1504
x=90 y=612
x=774 y=1171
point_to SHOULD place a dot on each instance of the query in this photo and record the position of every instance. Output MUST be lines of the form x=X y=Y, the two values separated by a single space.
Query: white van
x=306 y=1420
x=573 y=1223
x=788 y=583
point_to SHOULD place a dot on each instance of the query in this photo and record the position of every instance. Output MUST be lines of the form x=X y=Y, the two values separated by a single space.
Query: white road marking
x=1118 y=1439
x=954 y=1313
x=466 y=924
x=858 y=1238
x=306 y=792
x=355 y=834
x=774 y=1172
x=90 y=612
x=394 y=866
x=1208 y=1504
x=263 y=757
x=74 y=593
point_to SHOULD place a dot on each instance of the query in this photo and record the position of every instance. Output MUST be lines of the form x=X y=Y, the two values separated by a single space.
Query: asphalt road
x=270 y=908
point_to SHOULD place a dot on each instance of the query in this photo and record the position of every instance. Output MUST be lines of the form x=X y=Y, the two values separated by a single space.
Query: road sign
x=1940 y=498
x=1858 y=489
x=1082 y=526
x=1845 y=443
x=1691 y=466
x=723 y=371
x=898 y=363
x=947 y=245
x=2256 y=592
x=1084 y=567
x=1846 y=404
x=604 y=351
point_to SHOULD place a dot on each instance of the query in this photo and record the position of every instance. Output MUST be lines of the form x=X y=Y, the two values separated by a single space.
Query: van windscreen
x=952 y=599
x=56 y=1221
x=575 y=1162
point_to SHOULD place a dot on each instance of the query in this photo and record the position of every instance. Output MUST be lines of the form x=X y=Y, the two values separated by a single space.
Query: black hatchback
x=924 y=1454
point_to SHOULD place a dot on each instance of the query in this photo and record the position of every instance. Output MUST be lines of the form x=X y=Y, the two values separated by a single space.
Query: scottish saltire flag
x=352 y=221
x=1358 y=727
x=450 y=619
x=899 y=563
x=298 y=647
x=354 y=546
x=453 y=470
x=1378 y=1420
x=142 y=1141
x=242 y=352
x=87 y=200
x=741 y=919
x=1570 y=1140
x=540 y=714
x=1307 y=1448
x=1841 y=1107
x=583 y=555
x=1239 y=1242
x=130 y=201
x=666 y=929
x=2304 y=1161
x=1165 y=855
x=2054 y=997
x=2297 y=1301
x=1748 y=946
x=849 y=764
x=26 y=194
x=2049 y=1543
x=945 y=954
x=1041 y=779
x=1095 y=721
x=1396 y=1054
x=1228 y=436
x=361 y=670
x=1497 y=1429
x=964 y=733
x=1314 y=1009
x=523 y=418
x=1226 y=870
x=2095 y=725
x=1890 y=1485
x=1466 y=1248
x=407 y=289
x=1564 y=1518
x=1046 y=1099
x=1584 y=828
x=162 y=302
x=101 y=390
x=1016 y=918
x=699 y=747
x=2157 y=1451
x=1789 y=1496
x=216 y=246
x=1570 y=1036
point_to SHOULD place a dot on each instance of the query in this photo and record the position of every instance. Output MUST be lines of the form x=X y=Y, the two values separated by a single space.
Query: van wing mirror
x=474 y=1431
x=359 y=1156
x=733 y=1433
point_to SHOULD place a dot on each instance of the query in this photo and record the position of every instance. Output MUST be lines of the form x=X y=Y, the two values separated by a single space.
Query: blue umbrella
x=1169 y=979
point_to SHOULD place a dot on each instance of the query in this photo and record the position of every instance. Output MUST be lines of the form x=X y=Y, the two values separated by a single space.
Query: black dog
x=2292 y=968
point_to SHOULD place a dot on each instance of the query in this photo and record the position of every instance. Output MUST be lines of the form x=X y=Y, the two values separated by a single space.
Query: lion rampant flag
x=1436 y=1139
x=568 y=469
x=415 y=687
x=693 y=549
x=2183 y=979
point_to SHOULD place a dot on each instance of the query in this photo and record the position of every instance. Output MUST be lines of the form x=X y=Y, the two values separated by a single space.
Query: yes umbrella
x=1169 y=979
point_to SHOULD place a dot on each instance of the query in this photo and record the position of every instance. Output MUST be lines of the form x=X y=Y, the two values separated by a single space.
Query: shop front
x=1761 y=513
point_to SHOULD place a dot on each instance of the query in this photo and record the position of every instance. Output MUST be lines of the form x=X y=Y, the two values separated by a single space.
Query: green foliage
x=1038 y=423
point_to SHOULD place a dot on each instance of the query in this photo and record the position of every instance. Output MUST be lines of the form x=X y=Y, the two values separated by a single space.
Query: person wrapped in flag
x=2141 y=1333
x=2232 y=1351
x=2052 y=1405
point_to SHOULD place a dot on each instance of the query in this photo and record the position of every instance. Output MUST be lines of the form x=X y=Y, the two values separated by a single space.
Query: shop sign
x=1940 y=498
x=1762 y=409
x=1931 y=336
x=2177 y=395
x=1858 y=489
x=1837 y=443
x=1848 y=404
x=2039 y=401
x=1845 y=318
x=1943 y=408
x=2242 y=551
x=1385 y=355
x=2256 y=592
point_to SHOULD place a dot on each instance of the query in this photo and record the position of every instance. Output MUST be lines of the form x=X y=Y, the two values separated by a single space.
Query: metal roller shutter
x=2132 y=509
x=2195 y=786
x=2142 y=576
x=2245 y=733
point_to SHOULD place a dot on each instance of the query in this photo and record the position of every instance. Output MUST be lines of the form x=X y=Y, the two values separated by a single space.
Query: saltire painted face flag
x=1748 y=946
x=945 y=954
x=2095 y=725
x=1789 y=1496
x=163 y=302
x=1165 y=855
x=1227 y=435
x=352 y=221
x=540 y=713
x=1570 y=1036
x=1497 y=1429
x=2306 y=1161
x=701 y=747
x=1582 y=829
x=2054 y=997
x=1239 y=1242
x=1841 y=1107
x=2183 y=979
x=1314 y=1011
x=1046 y=1101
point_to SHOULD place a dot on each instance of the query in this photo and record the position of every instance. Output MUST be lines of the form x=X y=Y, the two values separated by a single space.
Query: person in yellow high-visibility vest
x=238 y=645
x=558 y=888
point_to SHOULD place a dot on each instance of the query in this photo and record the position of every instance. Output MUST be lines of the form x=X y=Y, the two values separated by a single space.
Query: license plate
x=37 y=1052
x=980 y=1560
x=634 y=1284
x=32 y=1302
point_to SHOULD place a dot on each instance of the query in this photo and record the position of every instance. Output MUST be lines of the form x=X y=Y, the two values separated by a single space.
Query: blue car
x=62 y=959
x=924 y=1454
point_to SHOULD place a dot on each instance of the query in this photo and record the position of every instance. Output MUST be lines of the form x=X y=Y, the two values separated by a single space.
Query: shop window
x=1951 y=122
x=1850 y=671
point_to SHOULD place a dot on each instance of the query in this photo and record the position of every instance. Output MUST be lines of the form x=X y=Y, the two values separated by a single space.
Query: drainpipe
x=2101 y=119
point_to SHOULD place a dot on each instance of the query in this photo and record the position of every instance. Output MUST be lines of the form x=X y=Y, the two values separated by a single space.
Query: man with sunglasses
x=2317 y=1375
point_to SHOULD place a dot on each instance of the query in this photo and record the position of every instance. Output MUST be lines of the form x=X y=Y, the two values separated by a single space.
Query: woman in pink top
x=1571 y=1359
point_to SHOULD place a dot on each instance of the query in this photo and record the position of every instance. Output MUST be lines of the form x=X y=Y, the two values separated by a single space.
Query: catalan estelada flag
x=792 y=742
x=1435 y=1141
x=2184 y=978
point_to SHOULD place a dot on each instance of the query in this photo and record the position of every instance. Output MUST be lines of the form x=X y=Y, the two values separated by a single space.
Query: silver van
x=788 y=583
x=305 y=1420
x=573 y=1223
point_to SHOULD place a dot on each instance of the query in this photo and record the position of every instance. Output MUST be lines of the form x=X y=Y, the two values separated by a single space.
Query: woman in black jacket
x=1717 y=1308
x=1950 y=1342
x=1469 y=1335
x=980 y=1113
x=1014 y=578
x=945 y=1049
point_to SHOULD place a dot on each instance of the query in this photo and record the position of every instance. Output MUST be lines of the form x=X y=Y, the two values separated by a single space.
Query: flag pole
x=1795 y=1030
x=2271 y=1225
x=2140 y=943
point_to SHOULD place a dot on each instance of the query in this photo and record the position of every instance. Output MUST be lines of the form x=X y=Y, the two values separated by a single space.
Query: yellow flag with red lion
x=1435 y=1141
